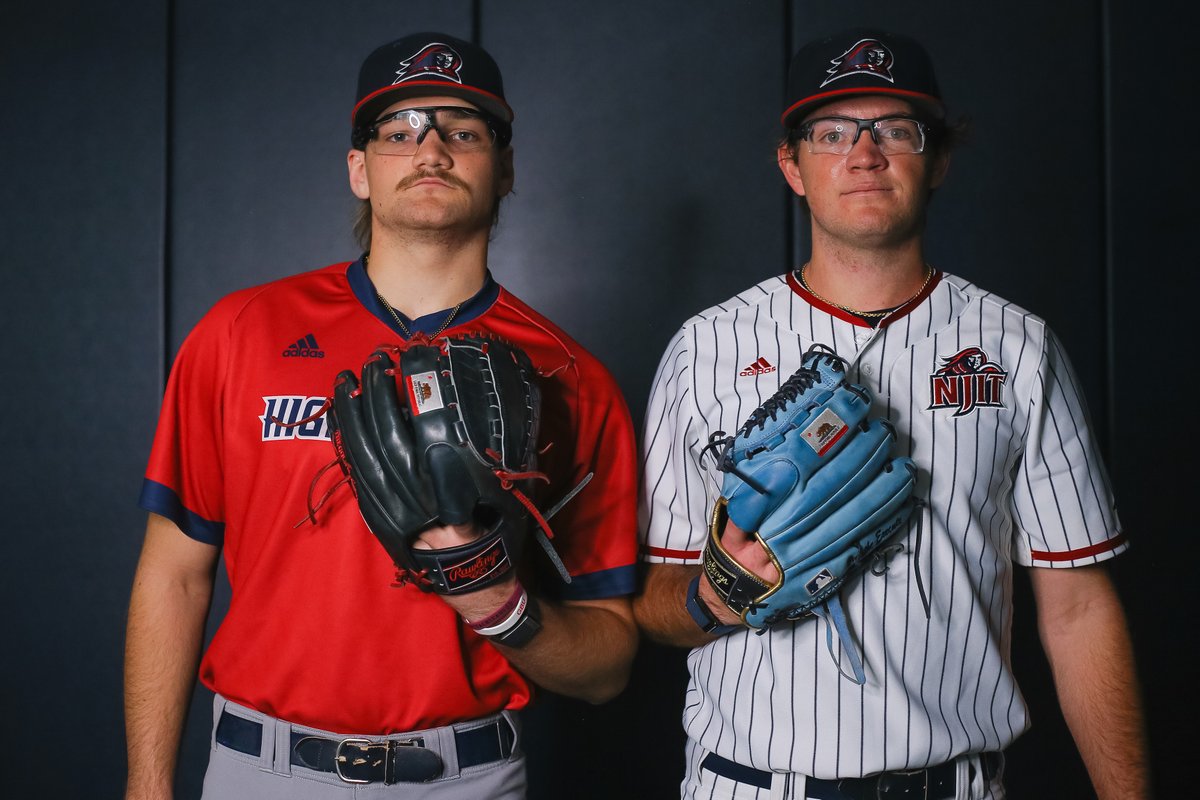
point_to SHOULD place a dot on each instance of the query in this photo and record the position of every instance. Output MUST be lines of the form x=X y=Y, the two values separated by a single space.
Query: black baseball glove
x=443 y=433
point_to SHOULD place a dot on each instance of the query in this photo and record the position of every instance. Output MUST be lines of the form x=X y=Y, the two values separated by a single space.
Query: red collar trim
x=793 y=281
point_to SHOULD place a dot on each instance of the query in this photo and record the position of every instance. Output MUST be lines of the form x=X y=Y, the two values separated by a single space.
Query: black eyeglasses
x=464 y=130
x=837 y=135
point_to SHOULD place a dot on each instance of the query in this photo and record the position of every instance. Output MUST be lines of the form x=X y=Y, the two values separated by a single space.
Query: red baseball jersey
x=316 y=633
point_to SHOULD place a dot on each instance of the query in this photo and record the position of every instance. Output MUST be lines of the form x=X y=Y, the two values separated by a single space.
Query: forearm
x=660 y=609
x=163 y=639
x=584 y=650
x=1091 y=656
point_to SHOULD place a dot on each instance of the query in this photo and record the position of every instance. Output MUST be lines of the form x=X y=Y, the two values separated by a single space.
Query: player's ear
x=507 y=174
x=941 y=165
x=790 y=167
x=356 y=165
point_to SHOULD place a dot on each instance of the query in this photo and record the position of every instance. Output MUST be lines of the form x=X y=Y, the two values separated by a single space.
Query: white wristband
x=509 y=622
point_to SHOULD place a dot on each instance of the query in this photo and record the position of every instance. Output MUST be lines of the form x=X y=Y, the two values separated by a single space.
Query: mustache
x=446 y=177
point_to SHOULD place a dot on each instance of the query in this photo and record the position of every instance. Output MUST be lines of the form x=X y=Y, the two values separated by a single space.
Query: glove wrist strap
x=737 y=587
x=468 y=567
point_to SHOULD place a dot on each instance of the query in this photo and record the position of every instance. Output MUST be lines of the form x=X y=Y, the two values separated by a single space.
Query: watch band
x=702 y=615
x=514 y=623
x=527 y=625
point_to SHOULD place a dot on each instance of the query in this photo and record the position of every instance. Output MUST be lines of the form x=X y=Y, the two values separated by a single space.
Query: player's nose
x=864 y=153
x=432 y=151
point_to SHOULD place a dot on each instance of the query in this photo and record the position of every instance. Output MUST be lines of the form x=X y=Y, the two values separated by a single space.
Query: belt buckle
x=339 y=758
x=884 y=784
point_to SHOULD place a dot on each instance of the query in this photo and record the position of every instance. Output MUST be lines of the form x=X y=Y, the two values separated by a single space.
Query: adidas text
x=759 y=367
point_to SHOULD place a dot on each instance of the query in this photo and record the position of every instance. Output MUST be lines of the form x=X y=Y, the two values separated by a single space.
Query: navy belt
x=932 y=783
x=356 y=760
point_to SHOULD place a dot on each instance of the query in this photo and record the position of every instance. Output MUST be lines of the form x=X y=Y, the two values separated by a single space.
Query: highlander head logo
x=865 y=57
x=434 y=60
x=966 y=381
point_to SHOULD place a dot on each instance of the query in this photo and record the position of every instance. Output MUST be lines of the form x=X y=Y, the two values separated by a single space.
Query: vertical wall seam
x=1107 y=166
x=789 y=203
x=164 y=300
x=477 y=22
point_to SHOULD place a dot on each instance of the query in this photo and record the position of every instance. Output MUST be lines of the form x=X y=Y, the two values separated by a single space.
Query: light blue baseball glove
x=812 y=477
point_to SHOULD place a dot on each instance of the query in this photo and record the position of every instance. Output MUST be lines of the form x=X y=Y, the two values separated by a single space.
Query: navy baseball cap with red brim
x=429 y=64
x=861 y=61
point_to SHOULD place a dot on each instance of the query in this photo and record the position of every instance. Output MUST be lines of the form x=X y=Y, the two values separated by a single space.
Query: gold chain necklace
x=445 y=323
x=855 y=311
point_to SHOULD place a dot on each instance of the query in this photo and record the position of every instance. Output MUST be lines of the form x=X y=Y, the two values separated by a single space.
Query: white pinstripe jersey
x=985 y=403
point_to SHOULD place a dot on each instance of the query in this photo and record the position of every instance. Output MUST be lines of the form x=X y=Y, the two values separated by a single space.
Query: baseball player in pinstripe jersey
x=985 y=404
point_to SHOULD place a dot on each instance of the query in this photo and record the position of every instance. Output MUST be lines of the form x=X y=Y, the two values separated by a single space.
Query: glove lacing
x=799 y=383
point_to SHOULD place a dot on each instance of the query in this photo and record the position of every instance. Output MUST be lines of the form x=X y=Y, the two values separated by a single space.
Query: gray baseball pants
x=272 y=773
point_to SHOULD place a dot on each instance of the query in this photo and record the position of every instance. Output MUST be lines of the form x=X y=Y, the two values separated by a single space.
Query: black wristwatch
x=701 y=613
x=528 y=626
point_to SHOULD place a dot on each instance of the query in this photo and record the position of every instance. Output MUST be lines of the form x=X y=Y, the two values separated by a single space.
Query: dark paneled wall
x=1152 y=233
x=82 y=203
x=160 y=155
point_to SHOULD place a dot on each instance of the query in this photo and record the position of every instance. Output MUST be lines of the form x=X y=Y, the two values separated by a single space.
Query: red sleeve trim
x=1083 y=552
x=666 y=552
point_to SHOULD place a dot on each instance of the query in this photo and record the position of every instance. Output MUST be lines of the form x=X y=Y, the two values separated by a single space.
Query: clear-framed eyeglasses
x=838 y=135
x=464 y=130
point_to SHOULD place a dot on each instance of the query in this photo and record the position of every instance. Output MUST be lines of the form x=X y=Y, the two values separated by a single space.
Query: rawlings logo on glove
x=811 y=477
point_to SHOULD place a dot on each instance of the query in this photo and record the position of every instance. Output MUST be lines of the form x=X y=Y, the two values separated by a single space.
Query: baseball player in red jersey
x=327 y=677
x=984 y=403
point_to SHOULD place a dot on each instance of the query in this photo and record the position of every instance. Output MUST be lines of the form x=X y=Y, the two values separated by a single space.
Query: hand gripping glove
x=811 y=477
x=444 y=433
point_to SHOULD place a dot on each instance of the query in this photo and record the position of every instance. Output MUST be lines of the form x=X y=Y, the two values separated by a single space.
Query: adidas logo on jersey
x=304 y=347
x=759 y=367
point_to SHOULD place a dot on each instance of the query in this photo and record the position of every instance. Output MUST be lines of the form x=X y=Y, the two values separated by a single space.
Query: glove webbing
x=543 y=532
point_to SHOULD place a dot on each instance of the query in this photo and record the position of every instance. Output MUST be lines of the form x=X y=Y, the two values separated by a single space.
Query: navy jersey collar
x=471 y=309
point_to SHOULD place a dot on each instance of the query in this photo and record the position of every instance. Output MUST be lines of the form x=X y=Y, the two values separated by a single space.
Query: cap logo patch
x=434 y=60
x=865 y=57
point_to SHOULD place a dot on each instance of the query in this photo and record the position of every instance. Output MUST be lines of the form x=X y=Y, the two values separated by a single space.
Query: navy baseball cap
x=861 y=61
x=428 y=64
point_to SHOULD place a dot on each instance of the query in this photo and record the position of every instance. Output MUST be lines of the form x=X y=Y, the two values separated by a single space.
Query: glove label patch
x=819 y=581
x=824 y=431
x=424 y=393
